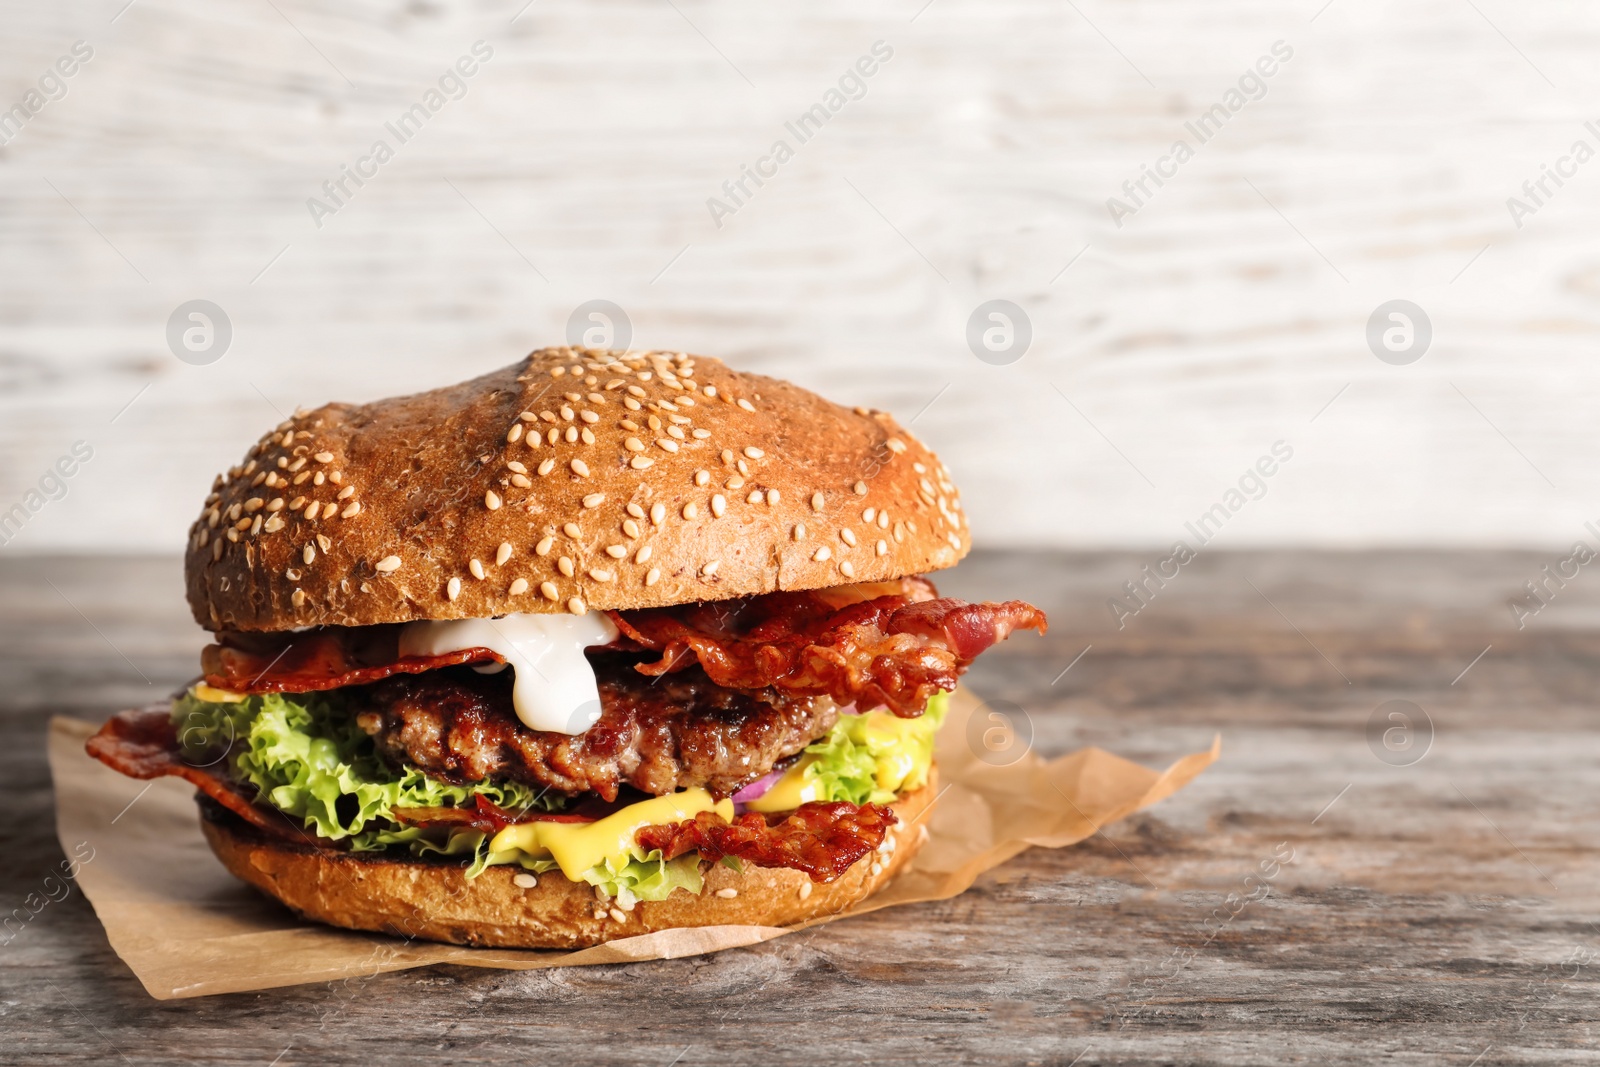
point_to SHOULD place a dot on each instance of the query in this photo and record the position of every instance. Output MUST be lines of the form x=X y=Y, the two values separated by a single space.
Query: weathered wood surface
x=579 y=163
x=1435 y=913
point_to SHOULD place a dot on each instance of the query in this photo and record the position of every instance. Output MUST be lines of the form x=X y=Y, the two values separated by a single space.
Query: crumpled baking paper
x=186 y=928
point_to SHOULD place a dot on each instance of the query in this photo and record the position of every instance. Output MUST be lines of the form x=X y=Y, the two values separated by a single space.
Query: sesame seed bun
x=670 y=479
x=434 y=900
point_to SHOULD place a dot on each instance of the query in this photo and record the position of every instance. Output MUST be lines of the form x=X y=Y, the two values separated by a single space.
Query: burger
x=596 y=645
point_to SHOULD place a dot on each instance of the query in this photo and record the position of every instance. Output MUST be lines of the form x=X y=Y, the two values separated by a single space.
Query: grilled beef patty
x=655 y=734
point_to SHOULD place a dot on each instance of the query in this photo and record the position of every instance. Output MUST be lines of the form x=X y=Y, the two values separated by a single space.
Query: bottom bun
x=419 y=898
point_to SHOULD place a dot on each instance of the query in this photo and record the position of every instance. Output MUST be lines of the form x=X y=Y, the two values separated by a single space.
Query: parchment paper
x=186 y=928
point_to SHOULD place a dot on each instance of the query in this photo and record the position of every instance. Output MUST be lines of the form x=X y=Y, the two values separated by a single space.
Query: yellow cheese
x=790 y=791
x=212 y=695
x=576 y=847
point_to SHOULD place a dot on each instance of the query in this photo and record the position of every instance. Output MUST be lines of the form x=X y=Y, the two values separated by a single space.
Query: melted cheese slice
x=576 y=847
x=554 y=686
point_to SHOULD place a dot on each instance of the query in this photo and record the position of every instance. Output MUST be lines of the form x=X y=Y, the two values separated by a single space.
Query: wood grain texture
x=1224 y=315
x=1432 y=913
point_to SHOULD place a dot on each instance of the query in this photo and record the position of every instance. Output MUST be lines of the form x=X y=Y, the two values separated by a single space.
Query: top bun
x=577 y=479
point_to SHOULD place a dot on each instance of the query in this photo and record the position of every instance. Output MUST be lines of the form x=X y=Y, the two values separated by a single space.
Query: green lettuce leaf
x=307 y=757
x=852 y=762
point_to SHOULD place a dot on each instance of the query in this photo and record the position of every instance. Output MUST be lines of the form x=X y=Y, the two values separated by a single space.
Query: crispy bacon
x=143 y=743
x=886 y=643
x=484 y=815
x=893 y=650
x=822 y=838
x=316 y=660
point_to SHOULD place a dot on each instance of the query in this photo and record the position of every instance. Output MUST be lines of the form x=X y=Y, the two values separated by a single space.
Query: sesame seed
x=324 y=542
x=635 y=510
x=816 y=501
x=549 y=590
x=643 y=555
x=323 y=457
x=745 y=404
x=911 y=524
x=658 y=513
x=580 y=468
x=346 y=493
x=527 y=416
x=805 y=889
x=630 y=527
x=594 y=500
x=618 y=914
x=615 y=383
x=233 y=536
x=772 y=498
x=491 y=500
x=216 y=548
x=667 y=444
x=571 y=435
x=895 y=445
x=883 y=520
x=848 y=536
x=727 y=456
x=387 y=565
x=519 y=586
x=752 y=451
x=600 y=574
x=351 y=510
x=702 y=477
x=553 y=436
x=636 y=391
x=869 y=514
x=710 y=390
x=318 y=478
x=544 y=545
x=294 y=505
x=690 y=510
x=799 y=531
x=654 y=423
x=822 y=553
x=452 y=588
x=640 y=463
x=564 y=565
x=649 y=579
x=576 y=606
x=719 y=504
x=298 y=598
x=616 y=551
x=587 y=435
x=919 y=468
x=727 y=894
x=567 y=414
x=309 y=556
x=521 y=481
x=476 y=568
x=675 y=432
x=710 y=568
x=700 y=434
x=524 y=880
x=502 y=554
x=514 y=434
x=847 y=569
x=572 y=530
x=755 y=497
x=274 y=524
x=744 y=468
x=736 y=482
x=589 y=416
x=882 y=548
x=253 y=505
x=546 y=467
x=300 y=479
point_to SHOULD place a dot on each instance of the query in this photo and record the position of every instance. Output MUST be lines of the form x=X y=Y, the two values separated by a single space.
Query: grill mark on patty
x=656 y=735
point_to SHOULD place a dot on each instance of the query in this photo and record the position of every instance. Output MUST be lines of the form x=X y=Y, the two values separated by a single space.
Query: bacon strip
x=318 y=660
x=892 y=650
x=822 y=838
x=143 y=743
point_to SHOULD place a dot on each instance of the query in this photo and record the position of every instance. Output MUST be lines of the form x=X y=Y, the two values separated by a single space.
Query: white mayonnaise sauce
x=554 y=687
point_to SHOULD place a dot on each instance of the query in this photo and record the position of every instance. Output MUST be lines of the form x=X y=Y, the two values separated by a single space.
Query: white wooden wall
x=1173 y=352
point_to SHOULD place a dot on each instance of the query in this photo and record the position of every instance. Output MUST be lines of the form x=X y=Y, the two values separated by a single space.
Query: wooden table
x=1436 y=912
